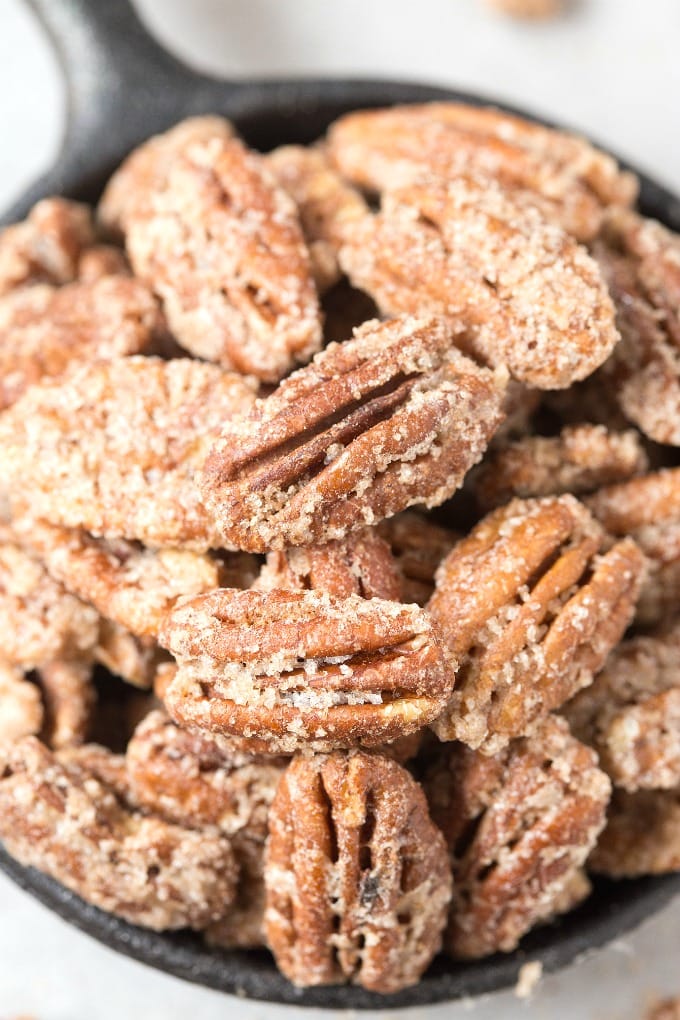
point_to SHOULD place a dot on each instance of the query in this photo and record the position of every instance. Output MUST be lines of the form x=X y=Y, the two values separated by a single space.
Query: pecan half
x=45 y=247
x=580 y=459
x=114 y=448
x=529 y=606
x=357 y=875
x=379 y=149
x=642 y=835
x=60 y=819
x=519 y=827
x=478 y=255
x=418 y=545
x=393 y=417
x=640 y=260
x=631 y=712
x=21 y=710
x=303 y=669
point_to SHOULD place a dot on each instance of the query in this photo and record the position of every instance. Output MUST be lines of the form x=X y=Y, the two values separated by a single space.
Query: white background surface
x=609 y=68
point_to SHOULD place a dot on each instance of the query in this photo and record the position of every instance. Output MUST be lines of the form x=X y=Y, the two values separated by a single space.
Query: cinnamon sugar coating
x=519 y=827
x=46 y=246
x=642 y=835
x=114 y=448
x=393 y=417
x=44 y=331
x=102 y=260
x=69 y=697
x=580 y=459
x=519 y=290
x=357 y=876
x=419 y=546
x=529 y=605
x=21 y=710
x=631 y=712
x=302 y=669
x=575 y=182
x=60 y=819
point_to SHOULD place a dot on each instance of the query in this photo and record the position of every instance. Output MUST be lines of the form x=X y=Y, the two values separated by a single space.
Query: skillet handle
x=121 y=87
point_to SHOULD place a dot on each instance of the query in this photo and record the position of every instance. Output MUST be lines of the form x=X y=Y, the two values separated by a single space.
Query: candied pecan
x=361 y=564
x=60 y=819
x=518 y=289
x=21 y=710
x=642 y=835
x=102 y=260
x=242 y=927
x=580 y=459
x=387 y=148
x=528 y=8
x=357 y=876
x=529 y=607
x=45 y=247
x=648 y=509
x=134 y=659
x=44 y=331
x=664 y=1009
x=136 y=179
x=631 y=712
x=519 y=406
x=221 y=244
x=640 y=260
x=393 y=417
x=303 y=669
x=69 y=698
x=107 y=768
x=115 y=446
x=519 y=827
x=419 y=545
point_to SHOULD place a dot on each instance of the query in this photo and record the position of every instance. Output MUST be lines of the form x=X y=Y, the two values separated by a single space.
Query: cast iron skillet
x=122 y=87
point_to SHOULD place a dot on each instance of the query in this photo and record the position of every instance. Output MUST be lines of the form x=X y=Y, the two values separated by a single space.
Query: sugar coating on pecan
x=115 y=446
x=648 y=509
x=69 y=697
x=642 y=835
x=640 y=260
x=303 y=669
x=221 y=244
x=60 y=819
x=46 y=246
x=418 y=545
x=631 y=712
x=519 y=289
x=102 y=260
x=357 y=876
x=132 y=658
x=529 y=605
x=393 y=417
x=519 y=827
x=580 y=459
x=21 y=709
x=361 y=564
x=44 y=330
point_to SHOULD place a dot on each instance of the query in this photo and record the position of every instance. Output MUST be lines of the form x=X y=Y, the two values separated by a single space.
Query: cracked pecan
x=393 y=417
x=574 y=181
x=418 y=545
x=631 y=712
x=45 y=247
x=580 y=459
x=642 y=835
x=21 y=710
x=114 y=448
x=640 y=260
x=303 y=669
x=519 y=827
x=518 y=289
x=59 y=818
x=357 y=876
x=529 y=605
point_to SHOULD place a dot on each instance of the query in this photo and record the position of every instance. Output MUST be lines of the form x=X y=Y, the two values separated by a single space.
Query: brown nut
x=60 y=819
x=379 y=149
x=390 y=418
x=45 y=247
x=478 y=255
x=631 y=712
x=102 y=260
x=580 y=459
x=418 y=545
x=529 y=606
x=361 y=564
x=640 y=260
x=519 y=827
x=642 y=835
x=115 y=447
x=21 y=710
x=303 y=669
x=357 y=876
x=69 y=697
x=134 y=659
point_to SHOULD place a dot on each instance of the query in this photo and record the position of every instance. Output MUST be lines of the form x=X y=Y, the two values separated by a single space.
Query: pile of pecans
x=343 y=728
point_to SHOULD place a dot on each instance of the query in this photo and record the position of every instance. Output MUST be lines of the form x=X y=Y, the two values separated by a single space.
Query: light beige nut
x=134 y=659
x=69 y=697
x=393 y=417
x=302 y=669
x=21 y=709
x=357 y=876
x=519 y=827
x=529 y=605
x=45 y=247
x=102 y=260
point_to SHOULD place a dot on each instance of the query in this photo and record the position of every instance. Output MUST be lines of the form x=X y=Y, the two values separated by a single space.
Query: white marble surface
x=609 y=68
